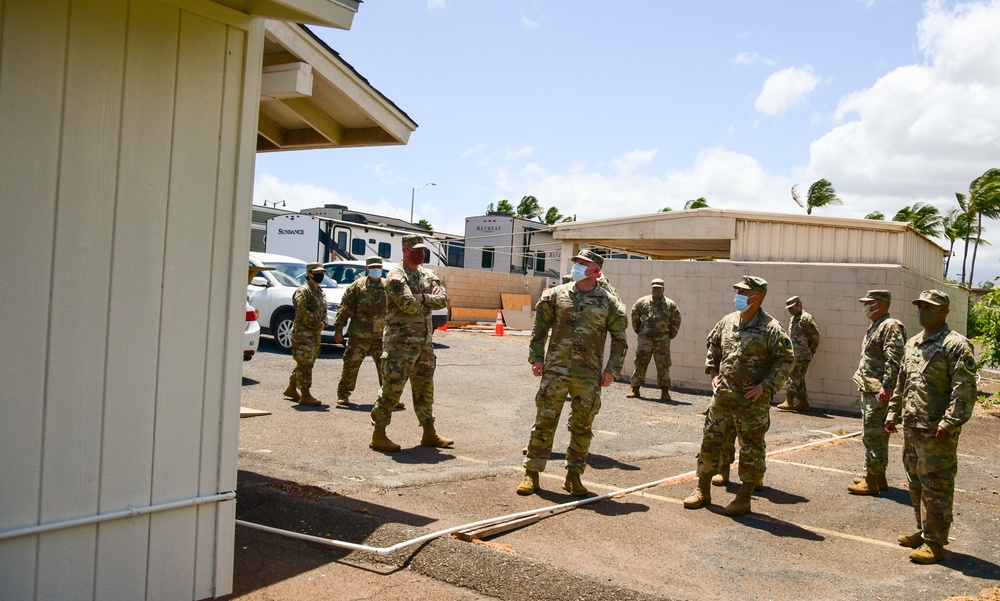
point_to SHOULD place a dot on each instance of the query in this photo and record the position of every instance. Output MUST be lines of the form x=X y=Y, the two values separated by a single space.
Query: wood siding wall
x=125 y=171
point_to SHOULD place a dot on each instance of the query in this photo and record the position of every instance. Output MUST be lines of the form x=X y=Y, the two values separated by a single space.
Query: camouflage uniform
x=364 y=303
x=407 y=349
x=804 y=334
x=656 y=322
x=580 y=323
x=936 y=389
x=755 y=352
x=881 y=354
x=310 y=319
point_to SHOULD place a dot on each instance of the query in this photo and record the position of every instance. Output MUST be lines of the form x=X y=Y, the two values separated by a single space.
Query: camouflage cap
x=314 y=267
x=589 y=255
x=656 y=283
x=413 y=241
x=373 y=262
x=934 y=297
x=750 y=282
x=792 y=302
x=876 y=295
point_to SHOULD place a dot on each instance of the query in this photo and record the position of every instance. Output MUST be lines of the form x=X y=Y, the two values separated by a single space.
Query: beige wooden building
x=829 y=262
x=129 y=134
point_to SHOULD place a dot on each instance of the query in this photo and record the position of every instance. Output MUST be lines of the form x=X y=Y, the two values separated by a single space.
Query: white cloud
x=436 y=4
x=786 y=88
x=298 y=196
x=753 y=58
x=519 y=152
x=528 y=24
x=476 y=150
x=726 y=179
x=923 y=130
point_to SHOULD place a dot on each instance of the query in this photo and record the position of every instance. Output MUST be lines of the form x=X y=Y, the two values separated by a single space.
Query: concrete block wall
x=830 y=292
x=475 y=289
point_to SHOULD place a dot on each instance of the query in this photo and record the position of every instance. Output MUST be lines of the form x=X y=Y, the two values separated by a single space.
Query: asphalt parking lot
x=310 y=471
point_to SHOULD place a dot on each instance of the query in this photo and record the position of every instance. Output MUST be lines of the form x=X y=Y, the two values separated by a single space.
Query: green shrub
x=984 y=327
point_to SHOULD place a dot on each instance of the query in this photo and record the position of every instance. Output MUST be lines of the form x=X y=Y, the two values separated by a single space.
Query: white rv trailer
x=313 y=238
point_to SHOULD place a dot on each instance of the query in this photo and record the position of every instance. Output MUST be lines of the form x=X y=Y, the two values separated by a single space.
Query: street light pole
x=413 y=196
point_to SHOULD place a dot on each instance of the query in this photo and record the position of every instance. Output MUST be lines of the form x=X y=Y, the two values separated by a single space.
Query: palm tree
x=665 y=210
x=923 y=218
x=697 y=203
x=554 y=216
x=425 y=224
x=953 y=225
x=821 y=194
x=529 y=208
x=505 y=207
x=983 y=199
x=876 y=215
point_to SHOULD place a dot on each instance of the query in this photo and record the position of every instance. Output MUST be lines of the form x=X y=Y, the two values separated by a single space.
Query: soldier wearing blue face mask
x=749 y=359
x=364 y=303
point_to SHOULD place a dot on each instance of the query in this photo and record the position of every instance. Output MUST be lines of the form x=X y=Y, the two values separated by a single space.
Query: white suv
x=345 y=272
x=270 y=292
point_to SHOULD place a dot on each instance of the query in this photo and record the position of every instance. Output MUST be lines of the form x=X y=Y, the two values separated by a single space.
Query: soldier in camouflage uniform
x=804 y=333
x=580 y=317
x=749 y=357
x=408 y=351
x=656 y=320
x=310 y=320
x=881 y=354
x=934 y=396
x=364 y=303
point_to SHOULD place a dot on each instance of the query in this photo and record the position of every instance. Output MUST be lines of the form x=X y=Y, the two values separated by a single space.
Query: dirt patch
x=989 y=594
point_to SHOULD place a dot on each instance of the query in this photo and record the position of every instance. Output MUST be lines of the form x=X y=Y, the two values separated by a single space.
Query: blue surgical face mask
x=741 y=303
x=579 y=272
x=375 y=273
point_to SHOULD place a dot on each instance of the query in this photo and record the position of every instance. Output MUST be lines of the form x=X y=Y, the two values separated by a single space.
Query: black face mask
x=317 y=277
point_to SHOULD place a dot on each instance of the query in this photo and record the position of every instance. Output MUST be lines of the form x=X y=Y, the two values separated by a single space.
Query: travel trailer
x=313 y=238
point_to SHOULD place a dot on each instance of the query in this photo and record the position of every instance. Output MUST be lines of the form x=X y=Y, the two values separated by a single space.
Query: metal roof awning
x=749 y=236
x=311 y=98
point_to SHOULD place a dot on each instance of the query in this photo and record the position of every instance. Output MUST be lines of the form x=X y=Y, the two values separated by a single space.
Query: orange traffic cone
x=443 y=328
x=498 y=331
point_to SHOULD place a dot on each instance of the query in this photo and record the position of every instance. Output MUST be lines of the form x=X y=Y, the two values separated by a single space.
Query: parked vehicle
x=251 y=333
x=271 y=293
x=345 y=272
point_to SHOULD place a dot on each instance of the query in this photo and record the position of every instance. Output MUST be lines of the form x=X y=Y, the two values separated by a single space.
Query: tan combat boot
x=399 y=405
x=665 y=394
x=722 y=478
x=929 y=552
x=883 y=484
x=431 y=438
x=702 y=495
x=913 y=541
x=802 y=405
x=529 y=484
x=290 y=391
x=573 y=486
x=867 y=486
x=380 y=442
x=741 y=504
x=343 y=402
x=789 y=404
x=308 y=399
x=633 y=394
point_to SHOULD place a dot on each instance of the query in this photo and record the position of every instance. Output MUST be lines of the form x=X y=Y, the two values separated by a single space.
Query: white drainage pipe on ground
x=513 y=516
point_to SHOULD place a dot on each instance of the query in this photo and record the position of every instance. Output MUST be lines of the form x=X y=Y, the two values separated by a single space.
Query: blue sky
x=607 y=109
